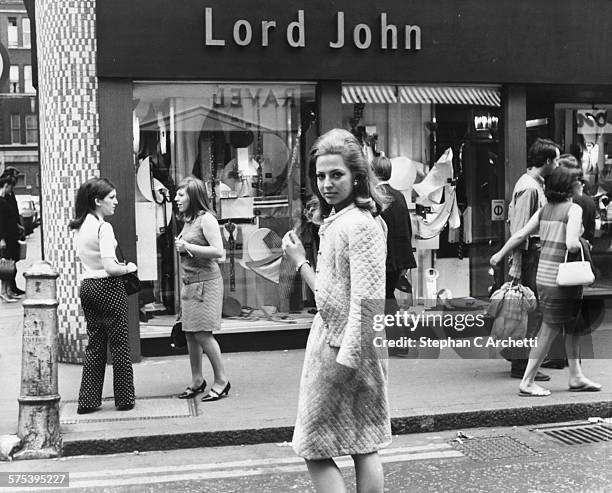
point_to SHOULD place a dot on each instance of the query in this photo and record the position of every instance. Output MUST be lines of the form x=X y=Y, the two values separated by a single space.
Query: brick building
x=18 y=100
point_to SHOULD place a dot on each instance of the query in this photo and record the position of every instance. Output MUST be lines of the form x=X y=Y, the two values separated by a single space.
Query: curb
x=522 y=416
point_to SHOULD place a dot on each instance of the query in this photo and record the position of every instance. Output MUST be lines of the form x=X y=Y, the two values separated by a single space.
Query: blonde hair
x=344 y=144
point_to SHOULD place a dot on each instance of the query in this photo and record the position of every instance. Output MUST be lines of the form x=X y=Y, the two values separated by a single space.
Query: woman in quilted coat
x=343 y=407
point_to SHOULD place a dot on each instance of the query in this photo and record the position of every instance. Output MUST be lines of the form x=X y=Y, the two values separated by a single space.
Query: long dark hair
x=198 y=198
x=344 y=144
x=85 y=201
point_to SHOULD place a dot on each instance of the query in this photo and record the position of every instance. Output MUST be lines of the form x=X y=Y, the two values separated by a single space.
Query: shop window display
x=588 y=135
x=247 y=142
x=443 y=142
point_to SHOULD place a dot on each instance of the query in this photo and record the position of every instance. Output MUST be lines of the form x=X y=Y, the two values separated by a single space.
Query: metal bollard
x=39 y=425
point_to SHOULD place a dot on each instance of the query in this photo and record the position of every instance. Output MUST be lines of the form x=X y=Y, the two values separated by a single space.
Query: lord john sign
x=472 y=41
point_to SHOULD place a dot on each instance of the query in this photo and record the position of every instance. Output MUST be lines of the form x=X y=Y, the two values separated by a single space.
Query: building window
x=13 y=36
x=27 y=79
x=247 y=142
x=14 y=79
x=31 y=124
x=453 y=133
x=25 y=33
x=15 y=128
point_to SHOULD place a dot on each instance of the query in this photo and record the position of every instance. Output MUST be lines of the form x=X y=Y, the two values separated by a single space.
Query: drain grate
x=579 y=434
x=497 y=447
x=146 y=408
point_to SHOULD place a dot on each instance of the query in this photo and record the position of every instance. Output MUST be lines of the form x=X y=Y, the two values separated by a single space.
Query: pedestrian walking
x=9 y=237
x=199 y=246
x=556 y=358
x=527 y=198
x=103 y=297
x=343 y=407
x=559 y=224
x=400 y=257
x=12 y=173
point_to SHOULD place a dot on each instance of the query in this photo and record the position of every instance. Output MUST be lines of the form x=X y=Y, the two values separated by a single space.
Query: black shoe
x=190 y=392
x=87 y=410
x=540 y=377
x=125 y=407
x=213 y=395
x=555 y=364
x=17 y=291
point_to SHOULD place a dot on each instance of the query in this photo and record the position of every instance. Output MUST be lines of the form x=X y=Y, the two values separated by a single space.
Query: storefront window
x=447 y=160
x=247 y=142
x=588 y=136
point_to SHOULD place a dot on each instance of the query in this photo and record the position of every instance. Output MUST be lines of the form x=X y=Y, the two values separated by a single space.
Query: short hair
x=11 y=171
x=85 y=201
x=5 y=179
x=381 y=166
x=344 y=144
x=541 y=151
x=198 y=198
x=559 y=185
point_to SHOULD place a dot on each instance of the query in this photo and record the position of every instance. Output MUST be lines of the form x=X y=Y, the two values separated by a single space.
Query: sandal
x=213 y=395
x=191 y=392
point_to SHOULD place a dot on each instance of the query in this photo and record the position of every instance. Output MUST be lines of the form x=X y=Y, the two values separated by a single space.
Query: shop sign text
x=389 y=36
x=234 y=97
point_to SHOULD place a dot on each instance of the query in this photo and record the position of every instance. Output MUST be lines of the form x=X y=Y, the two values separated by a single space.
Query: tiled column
x=69 y=144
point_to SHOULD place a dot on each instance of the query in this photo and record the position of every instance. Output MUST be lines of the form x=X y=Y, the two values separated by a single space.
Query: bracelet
x=299 y=266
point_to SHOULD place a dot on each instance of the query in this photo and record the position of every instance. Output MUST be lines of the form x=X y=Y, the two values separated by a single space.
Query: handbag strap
x=581 y=254
x=118 y=245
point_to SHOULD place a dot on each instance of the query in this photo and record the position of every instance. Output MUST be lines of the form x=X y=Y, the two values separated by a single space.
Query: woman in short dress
x=199 y=246
x=560 y=225
x=343 y=406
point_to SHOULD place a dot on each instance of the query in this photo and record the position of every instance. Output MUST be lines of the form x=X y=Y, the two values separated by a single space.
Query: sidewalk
x=425 y=395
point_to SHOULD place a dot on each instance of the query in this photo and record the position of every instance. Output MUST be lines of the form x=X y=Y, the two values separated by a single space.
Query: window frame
x=29 y=117
x=12 y=33
x=15 y=129
x=26 y=39
x=28 y=88
x=14 y=85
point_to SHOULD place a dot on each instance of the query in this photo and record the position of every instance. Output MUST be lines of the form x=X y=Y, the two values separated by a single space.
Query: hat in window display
x=432 y=186
x=263 y=254
x=241 y=138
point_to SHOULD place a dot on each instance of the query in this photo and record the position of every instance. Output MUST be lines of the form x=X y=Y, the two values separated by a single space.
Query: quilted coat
x=343 y=406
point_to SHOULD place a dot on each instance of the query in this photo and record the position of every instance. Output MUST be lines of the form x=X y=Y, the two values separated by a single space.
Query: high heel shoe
x=191 y=392
x=213 y=395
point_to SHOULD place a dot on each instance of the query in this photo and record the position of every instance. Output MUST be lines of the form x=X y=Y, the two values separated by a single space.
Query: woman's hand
x=496 y=259
x=131 y=267
x=180 y=245
x=293 y=248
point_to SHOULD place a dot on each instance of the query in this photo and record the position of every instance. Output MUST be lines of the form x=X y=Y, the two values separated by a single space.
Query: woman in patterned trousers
x=103 y=297
x=343 y=407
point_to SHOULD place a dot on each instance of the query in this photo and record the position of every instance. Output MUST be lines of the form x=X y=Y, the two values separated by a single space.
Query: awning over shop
x=477 y=96
x=368 y=94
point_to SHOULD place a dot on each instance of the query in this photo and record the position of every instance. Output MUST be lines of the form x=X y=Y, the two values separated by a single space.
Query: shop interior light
x=485 y=122
x=537 y=122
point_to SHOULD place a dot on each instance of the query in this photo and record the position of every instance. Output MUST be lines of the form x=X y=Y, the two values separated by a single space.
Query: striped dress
x=560 y=304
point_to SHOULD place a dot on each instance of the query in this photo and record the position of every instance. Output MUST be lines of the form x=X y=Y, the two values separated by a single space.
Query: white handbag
x=578 y=273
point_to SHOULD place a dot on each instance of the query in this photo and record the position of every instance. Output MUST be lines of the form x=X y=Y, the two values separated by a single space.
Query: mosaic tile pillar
x=69 y=144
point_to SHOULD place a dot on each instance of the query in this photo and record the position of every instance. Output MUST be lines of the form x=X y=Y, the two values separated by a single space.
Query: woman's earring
x=355 y=182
